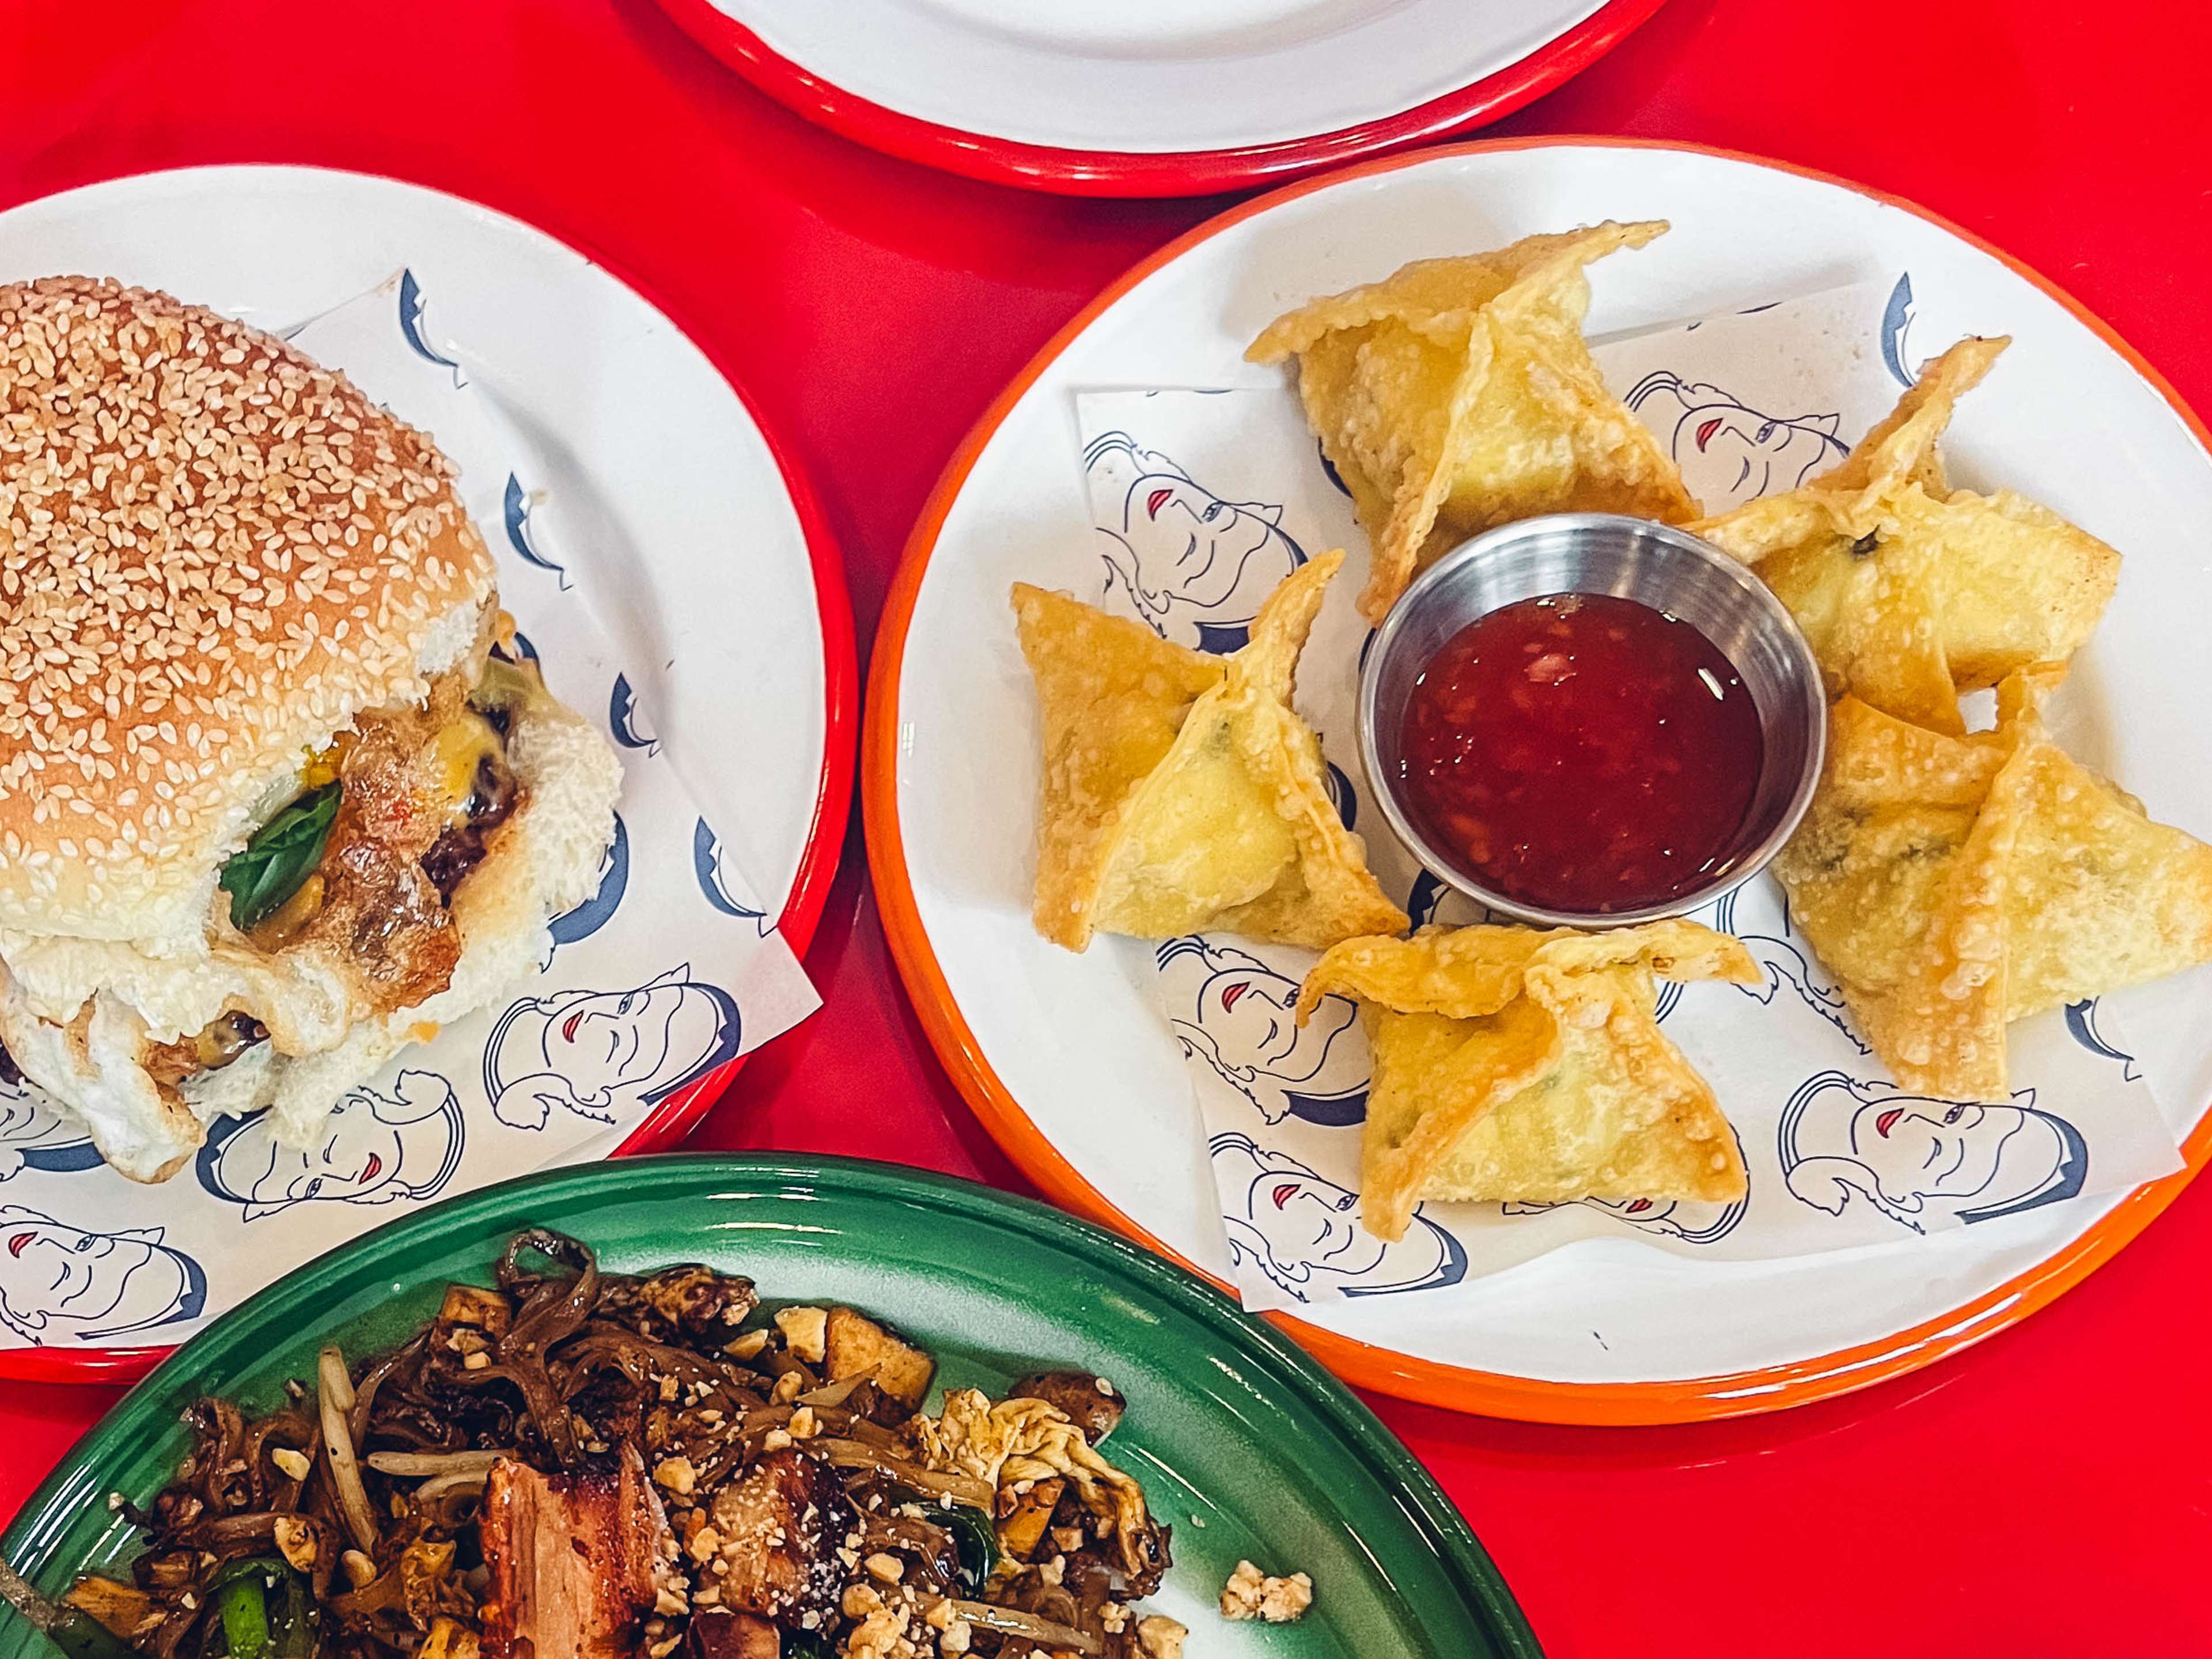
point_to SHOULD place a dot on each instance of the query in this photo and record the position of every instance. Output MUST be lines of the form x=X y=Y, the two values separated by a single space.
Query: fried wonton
x=1911 y=592
x=1458 y=394
x=1180 y=792
x=1954 y=883
x=1517 y=1066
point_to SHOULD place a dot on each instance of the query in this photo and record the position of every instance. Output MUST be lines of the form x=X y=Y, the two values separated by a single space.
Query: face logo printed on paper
x=606 y=1054
x=1918 y=1160
x=1302 y=1231
x=515 y=509
x=412 y=304
x=60 y=1283
x=595 y=912
x=707 y=866
x=1196 y=568
x=2081 y=1019
x=34 y=1136
x=1896 y=323
x=1233 y=1011
x=1682 y=1218
x=626 y=722
x=1783 y=964
x=376 y=1148
x=1728 y=452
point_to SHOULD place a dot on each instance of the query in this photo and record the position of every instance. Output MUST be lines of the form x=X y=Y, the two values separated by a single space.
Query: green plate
x=1242 y=1443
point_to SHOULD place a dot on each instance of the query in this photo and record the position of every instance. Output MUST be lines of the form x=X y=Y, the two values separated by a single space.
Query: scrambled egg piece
x=1018 y=1442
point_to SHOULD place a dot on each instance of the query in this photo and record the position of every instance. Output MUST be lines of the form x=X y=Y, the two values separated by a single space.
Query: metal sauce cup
x=1656 y=565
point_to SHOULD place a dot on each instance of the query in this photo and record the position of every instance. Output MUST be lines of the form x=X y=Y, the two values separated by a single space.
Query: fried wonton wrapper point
x=1180 y=792
x=1458 y=394
x=1954 y=884
x=1516 y=1065
x=2101 y=896
x=1462 y=973
x=1911 y=592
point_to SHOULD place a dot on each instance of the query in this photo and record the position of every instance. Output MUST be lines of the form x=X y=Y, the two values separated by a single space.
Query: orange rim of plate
x=1431 y=1382
x=673 y=1119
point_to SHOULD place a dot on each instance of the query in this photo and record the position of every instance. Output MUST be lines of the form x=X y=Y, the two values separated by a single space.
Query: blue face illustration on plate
x=376 y=1148
x=1917 y=1159
x=1728 y=451
x=605 y=1054
x=1197 y=567
x=1236 y=1013
x=61 y=1283
x=1302 y=1231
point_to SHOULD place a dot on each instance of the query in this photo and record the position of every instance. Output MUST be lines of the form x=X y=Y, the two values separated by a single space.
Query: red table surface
x=2048 y=1492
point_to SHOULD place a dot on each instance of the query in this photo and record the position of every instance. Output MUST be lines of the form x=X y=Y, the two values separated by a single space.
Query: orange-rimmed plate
x=1065 y=1057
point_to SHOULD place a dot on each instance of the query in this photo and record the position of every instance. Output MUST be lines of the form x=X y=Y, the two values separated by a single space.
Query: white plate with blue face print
x=671 y=580
x=1195 y=1126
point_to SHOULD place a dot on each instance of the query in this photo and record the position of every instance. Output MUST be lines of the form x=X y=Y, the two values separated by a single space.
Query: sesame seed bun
x=213 y=554
x=546 y=862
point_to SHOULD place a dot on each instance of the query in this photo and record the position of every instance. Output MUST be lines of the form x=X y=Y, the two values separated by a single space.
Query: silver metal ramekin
x=1654 y=564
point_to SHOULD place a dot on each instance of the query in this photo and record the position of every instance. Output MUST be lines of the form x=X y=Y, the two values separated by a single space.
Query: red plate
x=672 y=1119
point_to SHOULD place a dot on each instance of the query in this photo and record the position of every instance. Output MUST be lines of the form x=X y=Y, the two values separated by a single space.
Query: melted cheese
x=454 y=757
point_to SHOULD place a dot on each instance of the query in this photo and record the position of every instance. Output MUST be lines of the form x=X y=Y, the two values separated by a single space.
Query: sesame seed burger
x=276 y=799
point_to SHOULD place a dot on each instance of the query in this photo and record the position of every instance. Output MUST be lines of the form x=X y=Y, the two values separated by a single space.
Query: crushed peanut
x=677 y=1474
x=861 y=1600
x=1160 y=1636
x=293 y=1463
x=806 y=1332
x=296 y=1542
x=1250 y=1594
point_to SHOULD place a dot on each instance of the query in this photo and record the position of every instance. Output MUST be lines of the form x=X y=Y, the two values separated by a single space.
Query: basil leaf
x=283 y=854
x=976 y=1540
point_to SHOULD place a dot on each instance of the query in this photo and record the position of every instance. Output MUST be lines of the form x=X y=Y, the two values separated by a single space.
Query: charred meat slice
x=781 y=1526
x=731 y=1636
x=575 y=1560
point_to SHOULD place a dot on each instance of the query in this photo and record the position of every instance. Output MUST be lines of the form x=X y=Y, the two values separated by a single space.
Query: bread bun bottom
x=543 y=861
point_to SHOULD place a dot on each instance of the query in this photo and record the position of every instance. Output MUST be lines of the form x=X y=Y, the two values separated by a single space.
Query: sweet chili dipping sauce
x=1582 y=752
